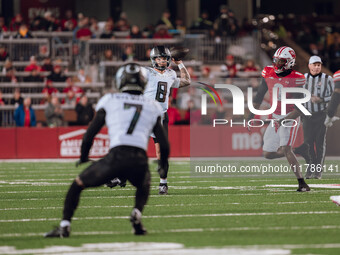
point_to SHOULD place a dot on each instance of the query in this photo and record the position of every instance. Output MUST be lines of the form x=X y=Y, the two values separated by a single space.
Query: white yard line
x=161 y=205
x=185 y=230
x=179 y=216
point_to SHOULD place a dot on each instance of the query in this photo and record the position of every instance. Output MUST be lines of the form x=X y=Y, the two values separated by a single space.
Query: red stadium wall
x=64 y=142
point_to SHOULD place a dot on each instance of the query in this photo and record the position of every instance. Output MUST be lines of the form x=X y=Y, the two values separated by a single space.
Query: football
x=179 y=53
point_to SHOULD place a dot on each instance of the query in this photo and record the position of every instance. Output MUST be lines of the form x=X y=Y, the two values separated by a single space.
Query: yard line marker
x=177 y=216
x=159 y=205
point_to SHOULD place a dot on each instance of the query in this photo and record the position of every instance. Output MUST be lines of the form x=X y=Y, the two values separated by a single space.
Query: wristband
x=181 y=65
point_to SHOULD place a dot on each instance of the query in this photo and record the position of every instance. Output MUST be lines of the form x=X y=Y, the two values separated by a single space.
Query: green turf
x=198 y=212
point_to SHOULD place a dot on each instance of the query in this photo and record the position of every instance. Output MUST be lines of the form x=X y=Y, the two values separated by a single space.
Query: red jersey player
x=278 y=139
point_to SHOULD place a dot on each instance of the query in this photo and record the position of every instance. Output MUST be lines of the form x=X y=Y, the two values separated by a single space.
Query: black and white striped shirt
x=322 y=86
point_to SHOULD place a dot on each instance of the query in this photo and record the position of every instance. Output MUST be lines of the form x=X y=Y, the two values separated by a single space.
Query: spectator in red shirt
x=16 y=22
x=32 y=65
x=69 y=23
x=49 y=89
x=84 y=33
x=3 y=53
x=250 y=66
x=2 y=102
x=162 y=32
x=229 y=66
x=24 y=115
x=70 y=86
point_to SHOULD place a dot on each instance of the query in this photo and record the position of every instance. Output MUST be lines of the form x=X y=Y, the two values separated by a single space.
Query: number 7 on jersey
x=135 y=116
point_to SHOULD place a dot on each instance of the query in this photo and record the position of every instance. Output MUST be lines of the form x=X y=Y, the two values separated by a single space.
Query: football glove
x=115 y=182
x=329 y=121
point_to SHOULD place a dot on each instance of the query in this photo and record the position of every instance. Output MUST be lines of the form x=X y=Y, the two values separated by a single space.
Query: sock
x=65 y=223
x=163 y=182
x=333 y=104
x=301 y=181
x=71 y=201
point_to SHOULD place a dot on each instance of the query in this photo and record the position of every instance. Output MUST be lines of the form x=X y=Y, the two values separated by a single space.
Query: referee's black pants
x=314 y=133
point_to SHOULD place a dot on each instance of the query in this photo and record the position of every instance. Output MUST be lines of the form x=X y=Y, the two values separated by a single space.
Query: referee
x=321 y=87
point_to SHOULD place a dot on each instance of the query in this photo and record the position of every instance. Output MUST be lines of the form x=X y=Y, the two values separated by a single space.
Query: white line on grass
x=179 y=216
x=185 y=230
x=162 y=205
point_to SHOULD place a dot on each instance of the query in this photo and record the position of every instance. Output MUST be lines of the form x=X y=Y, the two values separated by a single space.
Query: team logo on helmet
x=284 y=59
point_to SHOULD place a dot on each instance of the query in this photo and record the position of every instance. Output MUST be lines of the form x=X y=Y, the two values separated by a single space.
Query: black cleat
x=303 y=150
x=136 y=221
x=60 y=232
x=303 y=188
x=115 y=182
x=163 y=189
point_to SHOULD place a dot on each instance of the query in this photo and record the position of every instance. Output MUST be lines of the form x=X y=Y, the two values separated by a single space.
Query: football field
x=248 y=214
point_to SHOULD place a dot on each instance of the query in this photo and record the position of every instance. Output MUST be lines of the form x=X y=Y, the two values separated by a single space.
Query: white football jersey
x=130 y=119
x=159 y=85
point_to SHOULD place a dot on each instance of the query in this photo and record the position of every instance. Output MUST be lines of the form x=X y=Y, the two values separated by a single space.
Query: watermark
x=279 y=94
x=220 y=168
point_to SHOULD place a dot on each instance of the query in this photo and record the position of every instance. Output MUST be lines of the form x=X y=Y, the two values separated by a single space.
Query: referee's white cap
x=315 y=59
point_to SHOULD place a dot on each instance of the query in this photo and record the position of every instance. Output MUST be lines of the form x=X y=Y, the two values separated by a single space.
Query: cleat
x=303 y=188
x=60 y=232
x=163 y=190
x=136 y=221
x=309 y=175
x=115 y=182
x=303 y=150
x=336 y=200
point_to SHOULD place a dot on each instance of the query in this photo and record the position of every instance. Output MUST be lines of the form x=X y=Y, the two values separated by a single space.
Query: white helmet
x=284 y=59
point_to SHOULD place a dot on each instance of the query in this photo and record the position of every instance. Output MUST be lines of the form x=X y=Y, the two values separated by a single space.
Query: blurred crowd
x=84 y=27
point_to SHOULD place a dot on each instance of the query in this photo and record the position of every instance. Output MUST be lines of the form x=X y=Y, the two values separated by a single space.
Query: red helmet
x=284 y=59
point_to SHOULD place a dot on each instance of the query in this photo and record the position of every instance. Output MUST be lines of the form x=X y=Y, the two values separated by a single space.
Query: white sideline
x=177 y=216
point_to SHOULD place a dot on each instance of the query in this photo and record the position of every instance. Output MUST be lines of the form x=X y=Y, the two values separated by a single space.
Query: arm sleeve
x=263 y=88
x=95 y=126
x=163 y=141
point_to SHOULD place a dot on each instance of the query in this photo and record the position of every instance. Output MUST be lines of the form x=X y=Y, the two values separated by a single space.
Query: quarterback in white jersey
x=160 y=81
x=159 y=85
x=130 y=119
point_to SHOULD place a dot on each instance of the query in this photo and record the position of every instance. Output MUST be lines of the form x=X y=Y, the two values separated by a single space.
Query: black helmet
x=131 y=77
x=160 y=51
